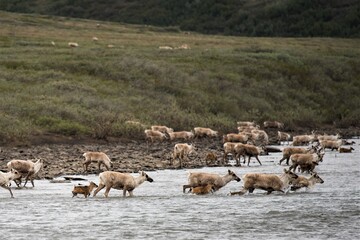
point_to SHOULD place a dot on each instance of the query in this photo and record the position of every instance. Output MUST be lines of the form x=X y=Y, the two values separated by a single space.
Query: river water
x=160 y=210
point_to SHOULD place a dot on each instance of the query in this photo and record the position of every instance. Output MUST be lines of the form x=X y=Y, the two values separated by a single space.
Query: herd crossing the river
x=305 y=154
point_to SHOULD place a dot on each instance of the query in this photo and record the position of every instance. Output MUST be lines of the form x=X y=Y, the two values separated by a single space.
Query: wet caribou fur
x=198 y=179
x=267 y=182
x=121 y=181
x=26 y=168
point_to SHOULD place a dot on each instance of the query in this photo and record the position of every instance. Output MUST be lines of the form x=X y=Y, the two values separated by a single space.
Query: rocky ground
x=129 y=156
x=63 y=156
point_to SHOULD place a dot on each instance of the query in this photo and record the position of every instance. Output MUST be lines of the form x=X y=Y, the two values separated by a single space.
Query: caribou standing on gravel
x=182 y=150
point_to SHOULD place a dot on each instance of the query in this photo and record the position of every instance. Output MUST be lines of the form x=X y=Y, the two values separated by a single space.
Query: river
x=159 y=210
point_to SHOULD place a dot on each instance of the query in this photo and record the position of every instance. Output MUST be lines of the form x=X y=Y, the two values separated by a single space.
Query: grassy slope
x=308 y=18
x=92 y=89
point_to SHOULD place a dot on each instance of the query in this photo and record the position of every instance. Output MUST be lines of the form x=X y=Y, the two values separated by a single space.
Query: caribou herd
x=305 y=154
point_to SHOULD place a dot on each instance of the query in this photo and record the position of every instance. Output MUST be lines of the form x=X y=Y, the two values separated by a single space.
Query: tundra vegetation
x=308 y=18
x=92 y=90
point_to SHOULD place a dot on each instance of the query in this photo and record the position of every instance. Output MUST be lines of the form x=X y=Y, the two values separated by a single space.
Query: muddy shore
x=132 y=156
x=63 y=155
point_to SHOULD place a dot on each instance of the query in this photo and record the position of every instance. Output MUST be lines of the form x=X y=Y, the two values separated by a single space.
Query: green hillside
x=287 y=18
x=93 y=89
